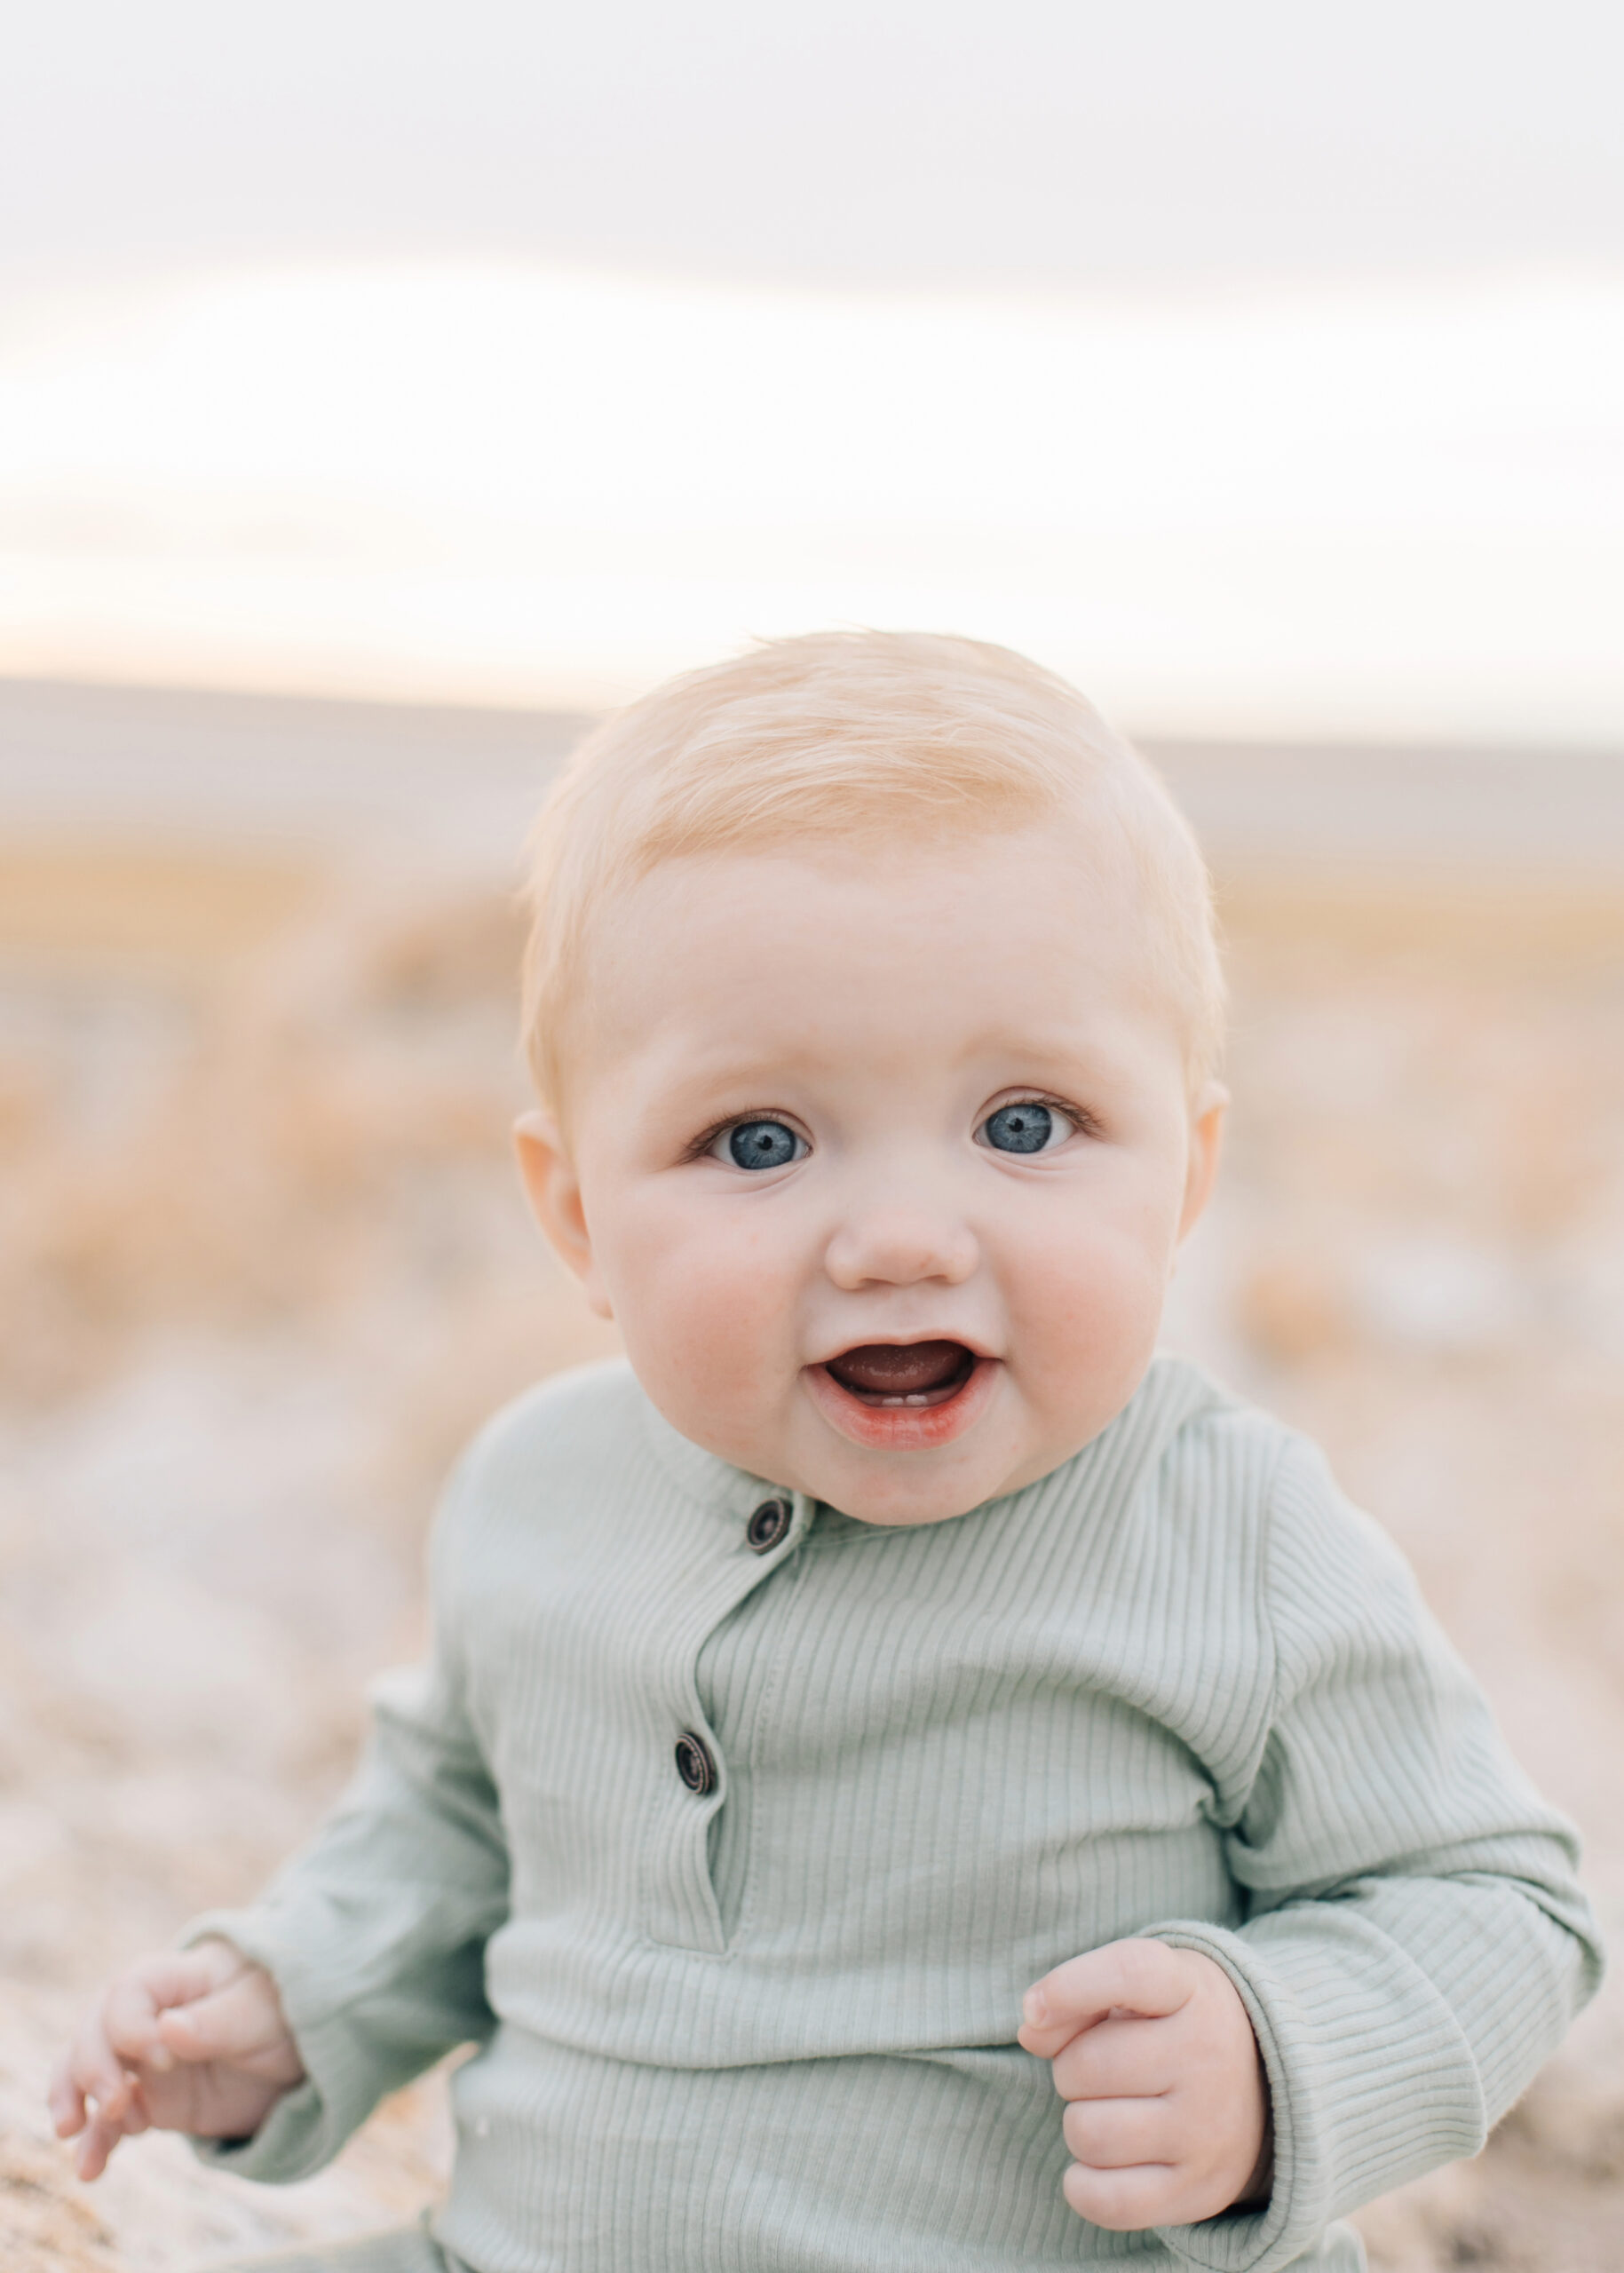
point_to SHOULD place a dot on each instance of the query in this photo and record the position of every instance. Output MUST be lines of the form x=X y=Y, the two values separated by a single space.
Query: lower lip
x=902 y=1428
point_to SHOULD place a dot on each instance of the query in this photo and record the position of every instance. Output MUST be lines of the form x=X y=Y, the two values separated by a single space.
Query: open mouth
x=903 y=1397
x=917 y=1373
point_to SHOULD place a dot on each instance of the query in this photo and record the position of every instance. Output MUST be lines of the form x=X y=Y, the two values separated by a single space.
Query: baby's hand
x=190 y=2041
x=1168 y=2111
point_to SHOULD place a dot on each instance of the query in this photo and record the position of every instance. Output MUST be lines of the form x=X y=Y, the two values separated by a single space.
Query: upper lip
x=976 y=1347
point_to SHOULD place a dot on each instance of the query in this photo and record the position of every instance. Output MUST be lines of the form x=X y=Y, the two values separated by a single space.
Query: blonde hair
x=854 y=736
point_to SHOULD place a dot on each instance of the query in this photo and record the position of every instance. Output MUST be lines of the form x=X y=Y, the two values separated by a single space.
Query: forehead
x=890 y=953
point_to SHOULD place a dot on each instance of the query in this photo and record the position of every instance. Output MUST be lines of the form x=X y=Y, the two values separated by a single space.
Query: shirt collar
x=705 y=1478
x=1170 y=1393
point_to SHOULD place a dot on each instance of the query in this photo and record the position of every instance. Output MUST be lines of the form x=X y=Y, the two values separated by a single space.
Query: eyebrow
x=1054 y=1054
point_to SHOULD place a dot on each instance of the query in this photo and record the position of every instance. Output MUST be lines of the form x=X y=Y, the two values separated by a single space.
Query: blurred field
x=263 y=1264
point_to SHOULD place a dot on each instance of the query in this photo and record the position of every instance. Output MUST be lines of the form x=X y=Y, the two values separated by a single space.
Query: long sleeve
x=1415 y=1942
x=375 y=1933
x=770 y=2023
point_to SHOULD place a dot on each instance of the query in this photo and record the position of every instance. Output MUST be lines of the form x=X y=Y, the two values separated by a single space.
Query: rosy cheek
x=702 y=1306
x=1091 y=1299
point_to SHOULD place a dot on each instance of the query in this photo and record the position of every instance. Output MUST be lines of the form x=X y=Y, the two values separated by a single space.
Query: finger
x=1116 y=2134
x=1135 y=1977
x=66 y=2100
x=171 y=1978
x=129 y=2018
x=1146 y=2194
x=98 y=2072
x=1124 y=2057
x=235 y=2023
x=1124 y=2201
x=95 y=2150
x=122 y=2031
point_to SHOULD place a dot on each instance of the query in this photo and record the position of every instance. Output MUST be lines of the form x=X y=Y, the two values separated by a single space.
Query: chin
x=905 y=1498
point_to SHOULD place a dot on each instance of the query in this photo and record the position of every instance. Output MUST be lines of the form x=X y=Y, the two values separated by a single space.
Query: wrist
x=1259 y=2188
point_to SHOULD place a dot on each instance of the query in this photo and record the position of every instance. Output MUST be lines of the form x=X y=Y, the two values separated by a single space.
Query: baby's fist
x=188 y=2041
x=1168 y=2109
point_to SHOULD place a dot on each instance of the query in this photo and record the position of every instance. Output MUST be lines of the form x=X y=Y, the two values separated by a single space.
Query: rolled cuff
x=1372 y=2082
x=309 y=2123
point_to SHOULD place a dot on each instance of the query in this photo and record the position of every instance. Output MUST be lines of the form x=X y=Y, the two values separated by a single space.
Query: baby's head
x=874 y=1008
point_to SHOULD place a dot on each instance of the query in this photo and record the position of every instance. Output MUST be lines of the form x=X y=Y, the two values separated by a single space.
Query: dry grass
x=263 y=1263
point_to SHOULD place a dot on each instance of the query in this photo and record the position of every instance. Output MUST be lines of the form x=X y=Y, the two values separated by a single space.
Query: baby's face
x=880 y=1159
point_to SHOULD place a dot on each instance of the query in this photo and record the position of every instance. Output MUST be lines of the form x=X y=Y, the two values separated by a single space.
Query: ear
x=553 y=1190
x=1206 y=1141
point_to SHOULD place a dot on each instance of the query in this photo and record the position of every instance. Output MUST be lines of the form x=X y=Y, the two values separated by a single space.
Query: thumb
x=233 y=2024
x=1143 y=1977
x=136 y=2000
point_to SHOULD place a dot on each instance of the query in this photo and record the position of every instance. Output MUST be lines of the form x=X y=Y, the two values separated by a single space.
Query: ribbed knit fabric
x=406 y=2250
x=1177 y=1688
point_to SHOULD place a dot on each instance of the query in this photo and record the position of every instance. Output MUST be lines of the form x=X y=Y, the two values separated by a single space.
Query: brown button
x=768 y=1526
x=694 y=1765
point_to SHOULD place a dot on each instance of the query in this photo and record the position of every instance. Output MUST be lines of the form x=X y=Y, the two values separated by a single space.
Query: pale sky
x=917 y=143
x=1261 y=365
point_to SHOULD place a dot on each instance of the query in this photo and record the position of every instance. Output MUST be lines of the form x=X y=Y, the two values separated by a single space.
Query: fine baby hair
x=859 y=738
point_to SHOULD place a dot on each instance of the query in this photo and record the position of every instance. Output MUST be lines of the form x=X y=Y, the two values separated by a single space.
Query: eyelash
x=698 y=1146
x=1081 y=1119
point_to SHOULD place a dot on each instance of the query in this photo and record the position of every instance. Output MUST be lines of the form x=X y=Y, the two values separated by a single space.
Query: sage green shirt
x=1177 y=1688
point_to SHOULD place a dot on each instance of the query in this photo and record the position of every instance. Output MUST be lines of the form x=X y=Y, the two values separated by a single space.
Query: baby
x=906 y=1777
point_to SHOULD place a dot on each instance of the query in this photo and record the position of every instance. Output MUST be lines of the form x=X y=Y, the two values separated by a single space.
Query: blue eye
x=1025 y=1127
x=763 y=1144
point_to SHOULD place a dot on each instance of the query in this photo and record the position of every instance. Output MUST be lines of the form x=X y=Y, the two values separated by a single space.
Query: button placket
x=679 y=1881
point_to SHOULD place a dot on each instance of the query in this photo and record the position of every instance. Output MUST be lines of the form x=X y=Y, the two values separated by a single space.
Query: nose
x=901 y=1244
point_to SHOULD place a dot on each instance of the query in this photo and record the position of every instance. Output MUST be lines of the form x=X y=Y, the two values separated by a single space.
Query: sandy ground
x=263 y=1264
